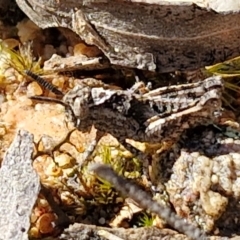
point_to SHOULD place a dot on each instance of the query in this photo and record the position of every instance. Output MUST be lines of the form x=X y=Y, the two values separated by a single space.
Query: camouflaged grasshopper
x=154 y=116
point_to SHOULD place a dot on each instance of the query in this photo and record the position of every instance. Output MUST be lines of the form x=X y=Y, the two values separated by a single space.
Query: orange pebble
x=45 y=223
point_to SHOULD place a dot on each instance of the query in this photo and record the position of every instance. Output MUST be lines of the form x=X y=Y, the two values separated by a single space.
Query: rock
x=19 y=188
x=154 y=35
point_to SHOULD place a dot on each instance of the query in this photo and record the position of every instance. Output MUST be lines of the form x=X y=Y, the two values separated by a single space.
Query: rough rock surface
x=19 y=188
x=154 y=35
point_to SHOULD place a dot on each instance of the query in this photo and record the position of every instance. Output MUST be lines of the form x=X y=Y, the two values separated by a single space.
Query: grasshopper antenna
x=43 y=82
x=69 y=111
x=48 y=99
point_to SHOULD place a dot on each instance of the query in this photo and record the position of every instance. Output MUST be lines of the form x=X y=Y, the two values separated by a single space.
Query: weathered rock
x=19 y=188
x=155 y=35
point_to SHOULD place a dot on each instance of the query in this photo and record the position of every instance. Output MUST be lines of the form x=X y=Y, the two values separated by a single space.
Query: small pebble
x=102 y=221
x=33 y=89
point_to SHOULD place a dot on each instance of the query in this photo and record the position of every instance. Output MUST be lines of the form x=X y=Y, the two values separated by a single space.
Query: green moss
x=102 y=191
x=227 y=69
x=145 y=220
x=230 y=72
x=20 y=60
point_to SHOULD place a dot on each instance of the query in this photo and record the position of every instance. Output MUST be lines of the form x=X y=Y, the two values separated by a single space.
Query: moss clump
x=102 y=191
x=19 y=60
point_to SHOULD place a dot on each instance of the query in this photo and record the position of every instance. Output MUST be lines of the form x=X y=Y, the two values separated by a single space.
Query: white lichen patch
x=202 y=186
